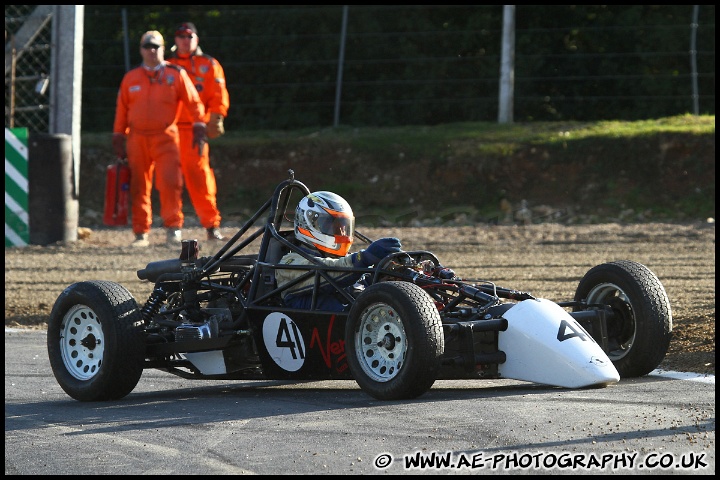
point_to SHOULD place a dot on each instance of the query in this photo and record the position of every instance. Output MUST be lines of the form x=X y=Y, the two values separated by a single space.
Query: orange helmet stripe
x=306 y=232
x=335 y=213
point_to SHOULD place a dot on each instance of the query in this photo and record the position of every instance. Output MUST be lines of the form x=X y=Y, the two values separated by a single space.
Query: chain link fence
x=27 y=68
x=281 y=63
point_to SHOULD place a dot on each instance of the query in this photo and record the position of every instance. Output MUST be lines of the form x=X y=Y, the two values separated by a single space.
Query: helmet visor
x=336 y=224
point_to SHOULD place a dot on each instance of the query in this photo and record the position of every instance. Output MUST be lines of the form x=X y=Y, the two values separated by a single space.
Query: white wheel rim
x=82 y=343
x=380 y=343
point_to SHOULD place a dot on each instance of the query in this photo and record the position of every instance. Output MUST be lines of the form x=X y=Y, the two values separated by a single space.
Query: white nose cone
x=544 y=344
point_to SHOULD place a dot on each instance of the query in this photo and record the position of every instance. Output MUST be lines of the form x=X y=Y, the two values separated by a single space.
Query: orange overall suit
x=209 y=78
x=149 y=104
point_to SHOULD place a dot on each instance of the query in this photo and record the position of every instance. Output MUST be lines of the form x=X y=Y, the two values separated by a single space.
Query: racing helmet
x=325 y=220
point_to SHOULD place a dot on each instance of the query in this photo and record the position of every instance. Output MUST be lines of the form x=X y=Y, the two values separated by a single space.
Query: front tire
x=394 y=341
x=95 y=342
x=640 y=329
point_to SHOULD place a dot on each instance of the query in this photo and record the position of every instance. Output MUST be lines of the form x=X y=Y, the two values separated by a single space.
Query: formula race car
x=223 y=317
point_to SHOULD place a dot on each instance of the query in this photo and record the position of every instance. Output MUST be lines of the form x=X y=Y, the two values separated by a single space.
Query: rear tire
x=95 y=341
x=394 y=341
x=639 y=333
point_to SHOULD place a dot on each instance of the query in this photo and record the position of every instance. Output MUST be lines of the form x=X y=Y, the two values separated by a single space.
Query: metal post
x=125 y=38
x=693 y=60
x=66 y=78
x=341 y=60
x=13 y=67
x=507 y=66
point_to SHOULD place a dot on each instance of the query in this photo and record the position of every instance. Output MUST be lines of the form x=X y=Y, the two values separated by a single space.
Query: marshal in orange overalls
x=149 y=103
x=208 y=77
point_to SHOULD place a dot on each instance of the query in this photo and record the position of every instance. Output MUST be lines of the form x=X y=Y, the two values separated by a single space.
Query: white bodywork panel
x=544 y=344
x=209 y=363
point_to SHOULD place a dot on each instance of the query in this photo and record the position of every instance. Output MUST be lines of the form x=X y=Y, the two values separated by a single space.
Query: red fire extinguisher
x=117 y=194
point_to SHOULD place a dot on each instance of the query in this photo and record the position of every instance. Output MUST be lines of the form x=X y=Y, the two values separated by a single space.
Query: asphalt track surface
x=167 y=425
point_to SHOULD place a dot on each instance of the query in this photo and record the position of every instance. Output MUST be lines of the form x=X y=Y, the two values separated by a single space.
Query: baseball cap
x=152 y=37
x=186 y=28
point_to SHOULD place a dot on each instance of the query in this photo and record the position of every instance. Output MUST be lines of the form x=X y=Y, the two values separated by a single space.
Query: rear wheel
x=394 y=341
x=95 y=342
x=640 y=328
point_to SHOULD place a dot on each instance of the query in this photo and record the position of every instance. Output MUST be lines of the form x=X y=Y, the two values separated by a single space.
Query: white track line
x=694 y=377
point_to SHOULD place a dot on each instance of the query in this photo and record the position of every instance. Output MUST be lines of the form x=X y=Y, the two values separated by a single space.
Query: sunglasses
x=149 y=46
x=184 y=36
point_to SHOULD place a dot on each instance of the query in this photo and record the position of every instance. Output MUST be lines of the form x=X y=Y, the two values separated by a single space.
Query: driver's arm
x=285 y=275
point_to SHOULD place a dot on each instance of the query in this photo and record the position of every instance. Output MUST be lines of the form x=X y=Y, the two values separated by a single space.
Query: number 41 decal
x=290 y=340
x=284 y=341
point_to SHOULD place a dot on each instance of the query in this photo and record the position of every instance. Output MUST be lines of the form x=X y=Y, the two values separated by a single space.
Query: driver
x=324 y=224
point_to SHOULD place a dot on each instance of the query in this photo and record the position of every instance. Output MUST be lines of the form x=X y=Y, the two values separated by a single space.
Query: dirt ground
x=547 y=260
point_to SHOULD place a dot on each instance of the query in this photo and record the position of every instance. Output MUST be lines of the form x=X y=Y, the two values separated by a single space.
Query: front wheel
x=640 y=328
x=95 y=342
x=394 y=341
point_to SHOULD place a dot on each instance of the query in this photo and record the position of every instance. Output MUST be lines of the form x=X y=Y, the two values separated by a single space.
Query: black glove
x=215 y=127
x=378 y=250
x=118 y=145
x=199 y=136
